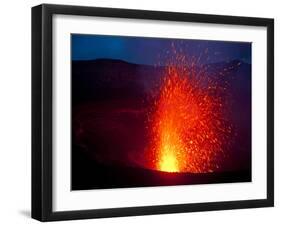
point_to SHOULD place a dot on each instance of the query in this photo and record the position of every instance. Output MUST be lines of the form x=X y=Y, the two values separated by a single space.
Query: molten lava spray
x=187 y=123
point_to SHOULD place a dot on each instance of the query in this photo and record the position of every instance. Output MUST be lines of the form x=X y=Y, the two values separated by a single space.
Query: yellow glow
x=169 y=163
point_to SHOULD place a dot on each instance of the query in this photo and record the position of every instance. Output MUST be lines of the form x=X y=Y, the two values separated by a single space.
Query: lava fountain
x=188 y=127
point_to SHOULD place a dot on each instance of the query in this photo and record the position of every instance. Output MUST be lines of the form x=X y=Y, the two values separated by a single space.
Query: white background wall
x=15 y=113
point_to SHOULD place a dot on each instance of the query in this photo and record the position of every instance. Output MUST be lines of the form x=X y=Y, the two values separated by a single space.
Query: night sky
x=153 y=51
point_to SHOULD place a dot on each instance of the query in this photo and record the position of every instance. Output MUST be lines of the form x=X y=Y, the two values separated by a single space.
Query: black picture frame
x=42 y=111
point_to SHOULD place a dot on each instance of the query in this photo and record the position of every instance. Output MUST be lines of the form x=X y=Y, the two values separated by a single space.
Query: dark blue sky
x=153 y=51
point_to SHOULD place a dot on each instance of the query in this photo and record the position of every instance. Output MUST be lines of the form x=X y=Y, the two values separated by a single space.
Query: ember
x=187 y=123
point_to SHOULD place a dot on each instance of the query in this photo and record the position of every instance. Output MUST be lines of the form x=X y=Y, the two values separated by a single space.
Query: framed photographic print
x=144 y=112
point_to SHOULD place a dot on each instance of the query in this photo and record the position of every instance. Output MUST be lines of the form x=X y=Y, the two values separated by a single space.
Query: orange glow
x=188 y=127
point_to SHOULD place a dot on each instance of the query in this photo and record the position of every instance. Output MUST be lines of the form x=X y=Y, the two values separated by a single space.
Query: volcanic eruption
x=188 y=128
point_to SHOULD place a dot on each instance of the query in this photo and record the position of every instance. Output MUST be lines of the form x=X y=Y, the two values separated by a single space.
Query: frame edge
x=270 y=112
x=36 y=69
x=41 y=205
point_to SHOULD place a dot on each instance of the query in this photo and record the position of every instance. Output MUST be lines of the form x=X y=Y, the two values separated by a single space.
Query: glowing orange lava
x=168 y=162
x=189 y=129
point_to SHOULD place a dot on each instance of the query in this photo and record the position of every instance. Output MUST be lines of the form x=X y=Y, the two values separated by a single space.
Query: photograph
x=142 y=112
x=154 y=111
